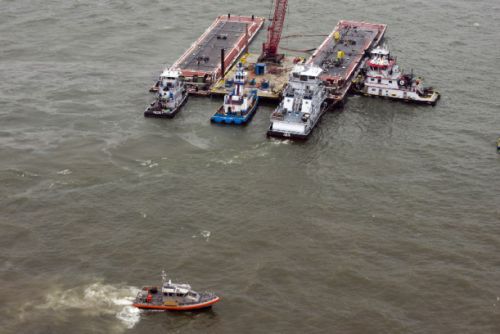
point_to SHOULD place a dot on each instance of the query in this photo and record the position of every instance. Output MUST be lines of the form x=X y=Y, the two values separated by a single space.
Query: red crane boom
x=270 y=47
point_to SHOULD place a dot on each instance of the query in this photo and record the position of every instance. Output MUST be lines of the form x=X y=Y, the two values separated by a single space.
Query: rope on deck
x=304 y=35
x=295 y=50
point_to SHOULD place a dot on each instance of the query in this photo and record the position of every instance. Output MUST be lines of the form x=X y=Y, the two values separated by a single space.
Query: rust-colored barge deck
x=201 y=65
x=342 y=54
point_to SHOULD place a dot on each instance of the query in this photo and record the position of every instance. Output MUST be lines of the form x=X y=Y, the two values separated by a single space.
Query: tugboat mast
x=163 y=276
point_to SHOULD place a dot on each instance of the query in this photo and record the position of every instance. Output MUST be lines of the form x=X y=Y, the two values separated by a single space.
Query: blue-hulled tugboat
x=239 y=106
x=173 y=297
x=172 y=95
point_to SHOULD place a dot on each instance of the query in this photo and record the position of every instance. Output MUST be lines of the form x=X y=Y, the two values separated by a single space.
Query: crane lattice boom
x=270 y=47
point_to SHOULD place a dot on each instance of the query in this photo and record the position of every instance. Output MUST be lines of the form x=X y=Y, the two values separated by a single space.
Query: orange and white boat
x=173 y=297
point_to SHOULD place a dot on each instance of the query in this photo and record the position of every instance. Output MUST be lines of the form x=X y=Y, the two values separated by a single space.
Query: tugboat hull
x=220 y=118
x=295 y=135
x=287 y=135
x=431 y=100
x=165 y=113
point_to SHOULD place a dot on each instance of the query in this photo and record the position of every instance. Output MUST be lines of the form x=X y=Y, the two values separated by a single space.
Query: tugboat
x=383 y=77
x=173 y=297
x=302 y=106
x=172 y=95
x=239 y=106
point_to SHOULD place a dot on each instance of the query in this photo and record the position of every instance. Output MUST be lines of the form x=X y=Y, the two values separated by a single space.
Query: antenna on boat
x=163 y=276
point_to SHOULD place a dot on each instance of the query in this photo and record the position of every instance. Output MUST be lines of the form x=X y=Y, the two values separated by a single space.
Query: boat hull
x=431 y=100
x=189 y=307
x=165 y=113
x=219 y=118
x=294 y=135
x=287 y=135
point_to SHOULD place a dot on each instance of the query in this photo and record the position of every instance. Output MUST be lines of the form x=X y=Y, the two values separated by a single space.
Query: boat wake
x=94 y=300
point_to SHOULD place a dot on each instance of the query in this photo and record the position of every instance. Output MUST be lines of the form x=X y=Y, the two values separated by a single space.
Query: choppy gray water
x=386 y=221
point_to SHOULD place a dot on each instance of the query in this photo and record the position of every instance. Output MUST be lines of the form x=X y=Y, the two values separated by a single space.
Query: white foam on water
x=129 y=316
x=147 y=163
x=280 y=141
x=96 y=299
x=144 y=163
x=226 y=162
x=205 y=234
x=64 y=172
x=195 y=141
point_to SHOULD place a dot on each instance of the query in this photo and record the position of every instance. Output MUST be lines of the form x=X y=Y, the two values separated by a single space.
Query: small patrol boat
x=172 y=95
x=239 y=105
x=303 y=104
x=173 y=297
x=382 y=77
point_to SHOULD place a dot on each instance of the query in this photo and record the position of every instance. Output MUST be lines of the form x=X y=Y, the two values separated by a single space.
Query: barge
x=269 y=83
x=342 y=54
x=216 y=51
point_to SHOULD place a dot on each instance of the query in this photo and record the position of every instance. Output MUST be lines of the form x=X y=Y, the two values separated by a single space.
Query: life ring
x=402 y=82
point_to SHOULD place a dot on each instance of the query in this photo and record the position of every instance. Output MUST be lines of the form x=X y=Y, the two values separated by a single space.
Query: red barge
x=342 y=53
x=227 y=38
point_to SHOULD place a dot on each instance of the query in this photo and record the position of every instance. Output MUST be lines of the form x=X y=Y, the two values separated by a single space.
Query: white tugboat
x=383 y=77
x=239 y=106
x=302 y=106
x=172 y=95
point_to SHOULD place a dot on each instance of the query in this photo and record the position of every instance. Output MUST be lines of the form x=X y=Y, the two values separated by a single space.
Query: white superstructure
x=171 y=89
x=238 y=102
x=171 y=96
x=302 y=105
x=384 y=78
